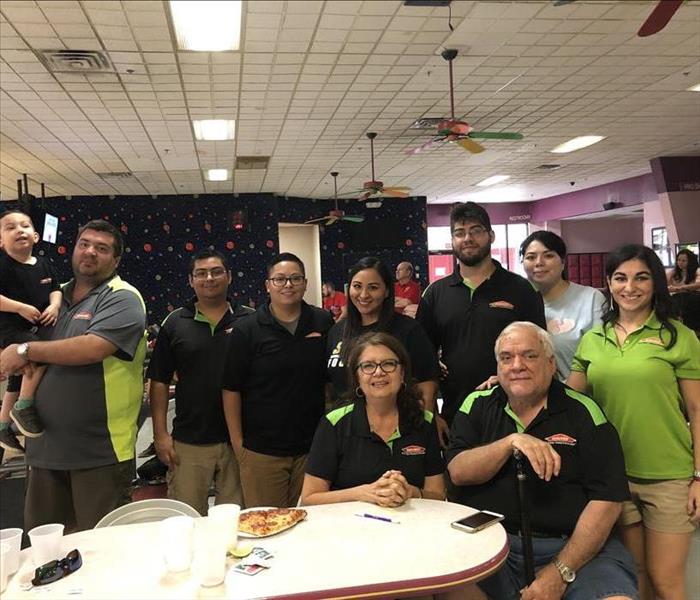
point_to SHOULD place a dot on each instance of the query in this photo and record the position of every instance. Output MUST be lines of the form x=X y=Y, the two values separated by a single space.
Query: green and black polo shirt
x=346 y=453
x=592 y=465
x=195 y=348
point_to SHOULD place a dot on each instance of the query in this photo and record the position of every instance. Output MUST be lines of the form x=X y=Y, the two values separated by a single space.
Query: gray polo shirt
x=89 y=412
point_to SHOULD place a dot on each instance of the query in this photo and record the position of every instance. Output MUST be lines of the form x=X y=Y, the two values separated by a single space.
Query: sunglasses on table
x=58 y=569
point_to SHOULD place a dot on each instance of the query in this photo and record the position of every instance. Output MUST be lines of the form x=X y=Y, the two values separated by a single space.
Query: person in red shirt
x=406 y=290
x=334 y=302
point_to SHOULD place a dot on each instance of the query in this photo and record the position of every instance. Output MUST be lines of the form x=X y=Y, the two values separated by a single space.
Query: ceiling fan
x=376 y=188
x=335 y=214
x=658 y=19
x=460 y=132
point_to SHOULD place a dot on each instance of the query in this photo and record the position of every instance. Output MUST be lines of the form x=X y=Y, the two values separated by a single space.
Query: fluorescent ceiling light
x=577 y=143
x=217 y=175
x=493 y=180
x=207 y=26
x=214 y=129
x=694 y=88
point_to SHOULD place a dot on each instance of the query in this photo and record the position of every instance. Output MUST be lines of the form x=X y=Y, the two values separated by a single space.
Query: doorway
x=303 y=240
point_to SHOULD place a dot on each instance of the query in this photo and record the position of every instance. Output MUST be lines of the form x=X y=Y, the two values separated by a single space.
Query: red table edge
x=441 y=583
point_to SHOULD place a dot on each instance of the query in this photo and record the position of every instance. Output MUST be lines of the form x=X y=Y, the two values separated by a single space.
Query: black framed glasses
x=58 y=569
x=370 y=368
x=215 y=273
x=280 y=281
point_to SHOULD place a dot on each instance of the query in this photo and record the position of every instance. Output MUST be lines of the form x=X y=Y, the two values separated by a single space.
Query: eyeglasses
x=387 y=366
x=476 y=231
x=280 y=281
x=216 y=273
x=58 y=569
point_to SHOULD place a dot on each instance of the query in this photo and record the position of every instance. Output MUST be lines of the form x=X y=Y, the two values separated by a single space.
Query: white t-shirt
x=568 y=317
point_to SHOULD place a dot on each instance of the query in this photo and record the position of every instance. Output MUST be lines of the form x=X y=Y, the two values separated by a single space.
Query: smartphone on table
x=478 y=521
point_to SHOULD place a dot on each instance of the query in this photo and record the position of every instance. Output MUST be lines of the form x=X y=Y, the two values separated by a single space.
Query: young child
x=30 y=300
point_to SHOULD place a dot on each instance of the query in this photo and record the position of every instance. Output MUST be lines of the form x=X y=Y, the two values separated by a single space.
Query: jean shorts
x=610 y=573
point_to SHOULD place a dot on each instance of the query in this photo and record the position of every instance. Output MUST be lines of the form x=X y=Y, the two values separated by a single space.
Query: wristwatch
x=567 y=574
x=23 y=351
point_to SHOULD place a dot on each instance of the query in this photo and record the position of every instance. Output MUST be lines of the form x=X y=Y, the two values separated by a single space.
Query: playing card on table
x=260 y=557
x=248 y=569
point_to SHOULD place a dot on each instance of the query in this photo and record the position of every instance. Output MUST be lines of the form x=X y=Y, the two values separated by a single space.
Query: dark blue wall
x=161 y=235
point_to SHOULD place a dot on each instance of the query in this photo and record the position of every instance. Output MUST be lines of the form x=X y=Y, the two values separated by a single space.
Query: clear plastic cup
x=177 y=536
x=4 y=570
x=46 y=543
x=210 y=543
x=13 y=538
x=226 y=515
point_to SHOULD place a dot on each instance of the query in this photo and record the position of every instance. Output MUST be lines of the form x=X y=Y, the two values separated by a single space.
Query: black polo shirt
x=346 y=453
x=30 y=284
x=463 y=325
x=592 y=465
x=281 y=379
x=424 y=365
x=192 y=347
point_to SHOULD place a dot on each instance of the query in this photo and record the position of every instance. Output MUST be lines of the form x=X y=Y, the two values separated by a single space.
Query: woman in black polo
x=383 y=447
x=371 y=308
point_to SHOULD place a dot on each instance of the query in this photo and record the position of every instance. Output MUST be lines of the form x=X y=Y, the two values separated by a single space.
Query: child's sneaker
x=27 y=421
x=9 y=441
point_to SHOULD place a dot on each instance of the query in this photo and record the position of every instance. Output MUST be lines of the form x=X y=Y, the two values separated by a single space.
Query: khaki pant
x=271 y=480
x=200 y=465
x=78 y=498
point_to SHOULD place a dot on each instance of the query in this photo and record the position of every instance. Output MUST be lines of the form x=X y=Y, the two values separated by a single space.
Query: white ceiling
x=314 y=76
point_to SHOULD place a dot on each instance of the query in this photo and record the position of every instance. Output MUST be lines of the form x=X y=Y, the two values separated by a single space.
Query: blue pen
x=377 y=517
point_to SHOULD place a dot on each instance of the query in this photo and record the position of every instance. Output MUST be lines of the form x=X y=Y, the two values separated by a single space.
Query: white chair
x=145 y=511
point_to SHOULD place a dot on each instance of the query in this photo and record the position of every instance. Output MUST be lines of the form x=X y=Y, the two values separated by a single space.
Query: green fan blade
x=353 y=218
x=496 y=135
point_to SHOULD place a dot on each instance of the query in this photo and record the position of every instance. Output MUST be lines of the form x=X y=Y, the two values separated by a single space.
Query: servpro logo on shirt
x=501 y=304
x=83 y=316
x=413 y=450
x=561 y=438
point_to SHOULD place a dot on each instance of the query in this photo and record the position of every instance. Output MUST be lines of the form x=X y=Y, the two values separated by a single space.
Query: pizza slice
x=264 y=522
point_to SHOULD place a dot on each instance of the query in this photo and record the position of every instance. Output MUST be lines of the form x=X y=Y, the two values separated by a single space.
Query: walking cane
x=525 y=528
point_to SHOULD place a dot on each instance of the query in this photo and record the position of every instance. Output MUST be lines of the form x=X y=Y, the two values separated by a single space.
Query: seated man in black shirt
x=577 y=477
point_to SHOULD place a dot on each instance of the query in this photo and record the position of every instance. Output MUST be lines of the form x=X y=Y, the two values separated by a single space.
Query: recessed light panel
x=206 y=26
x=214 y=129
x=577 y=143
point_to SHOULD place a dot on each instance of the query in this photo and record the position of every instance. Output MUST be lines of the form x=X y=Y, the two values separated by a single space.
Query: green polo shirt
x=636 y=384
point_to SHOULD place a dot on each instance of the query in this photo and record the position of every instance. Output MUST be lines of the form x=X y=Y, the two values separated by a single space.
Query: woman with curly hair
x=643 y=367
x=382 y=447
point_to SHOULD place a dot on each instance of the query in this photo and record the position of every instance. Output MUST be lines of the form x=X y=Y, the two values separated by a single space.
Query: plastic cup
x=210 y=542
x=4 y=570
x=46 y=543
x=177 y=538
x=13 y=538
x=226 y=515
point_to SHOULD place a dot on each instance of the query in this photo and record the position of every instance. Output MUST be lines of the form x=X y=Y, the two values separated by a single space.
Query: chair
x=145 y=511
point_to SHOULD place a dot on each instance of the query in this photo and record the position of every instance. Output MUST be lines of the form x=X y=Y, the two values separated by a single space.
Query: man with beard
x=90 y=396
x=465 y=312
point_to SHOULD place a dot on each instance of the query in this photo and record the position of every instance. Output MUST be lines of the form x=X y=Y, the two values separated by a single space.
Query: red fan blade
x=659 y=17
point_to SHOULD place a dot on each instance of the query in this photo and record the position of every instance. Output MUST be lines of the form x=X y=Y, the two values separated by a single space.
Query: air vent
x=548 y=167
x=426 y=123
x=76 y=61
x=116 y=175
x=250 y=163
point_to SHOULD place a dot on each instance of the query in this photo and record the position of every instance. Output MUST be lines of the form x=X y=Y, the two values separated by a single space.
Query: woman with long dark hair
x=570 y=309
x=381 y=447
x=371 y=308
x=685 y=276
x=643 y=367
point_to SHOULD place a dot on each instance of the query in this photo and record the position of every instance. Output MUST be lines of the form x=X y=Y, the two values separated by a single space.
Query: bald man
x=406 y=290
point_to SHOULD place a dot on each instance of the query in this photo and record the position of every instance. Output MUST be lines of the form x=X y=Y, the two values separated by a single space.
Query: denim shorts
x=610 y=573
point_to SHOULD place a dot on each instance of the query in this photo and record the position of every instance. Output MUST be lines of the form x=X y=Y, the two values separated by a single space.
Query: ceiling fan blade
x=318 y=220
x=659 y=17
x=470 y=145
x=496 y=135
x=353 y=218
x=396 y=192
x=427 y=146
x=366 y=195
x=331 y=220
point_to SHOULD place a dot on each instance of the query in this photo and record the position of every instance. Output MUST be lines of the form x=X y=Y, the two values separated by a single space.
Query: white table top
x=333 y=554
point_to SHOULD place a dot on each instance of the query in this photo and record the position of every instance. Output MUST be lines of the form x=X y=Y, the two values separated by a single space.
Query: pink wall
x=601 y=235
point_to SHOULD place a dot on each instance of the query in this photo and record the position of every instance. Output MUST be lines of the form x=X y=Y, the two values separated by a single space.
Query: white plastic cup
x=46 y=543
x=210 y=543
x=4 y=569
x=177 y=537
x=226 y=515
x=13 y=538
